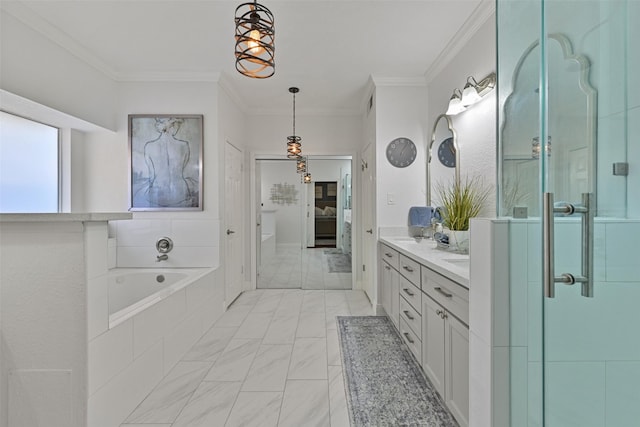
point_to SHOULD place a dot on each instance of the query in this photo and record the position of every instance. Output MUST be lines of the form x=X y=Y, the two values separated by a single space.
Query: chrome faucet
x=164 y=246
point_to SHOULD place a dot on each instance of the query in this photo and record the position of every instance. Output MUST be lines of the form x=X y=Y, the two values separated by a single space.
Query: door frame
x=355 y=207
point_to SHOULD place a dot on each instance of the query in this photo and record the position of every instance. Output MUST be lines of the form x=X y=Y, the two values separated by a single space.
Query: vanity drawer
x=411 y=316
x=410 y=269
x=452 y=296
x=389 y=255
x=411 y=339
x=411 y=293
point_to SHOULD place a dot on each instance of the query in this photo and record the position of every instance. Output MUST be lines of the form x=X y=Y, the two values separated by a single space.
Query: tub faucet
x=162 y=257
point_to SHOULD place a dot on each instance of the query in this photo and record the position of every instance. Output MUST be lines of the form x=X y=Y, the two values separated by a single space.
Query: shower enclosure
x=569 y=178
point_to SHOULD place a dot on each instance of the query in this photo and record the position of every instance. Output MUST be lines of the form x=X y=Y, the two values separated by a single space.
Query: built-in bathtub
x=132 y=290
x=154 y=316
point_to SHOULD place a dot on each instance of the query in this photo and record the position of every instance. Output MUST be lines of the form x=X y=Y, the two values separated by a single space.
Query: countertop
x=450 y=264
x=65 y=217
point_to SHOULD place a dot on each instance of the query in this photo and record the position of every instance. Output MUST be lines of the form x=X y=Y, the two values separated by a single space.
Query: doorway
x=304 y=232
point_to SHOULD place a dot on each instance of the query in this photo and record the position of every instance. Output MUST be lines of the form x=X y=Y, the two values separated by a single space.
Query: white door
x=233 y=221
x=368 y=216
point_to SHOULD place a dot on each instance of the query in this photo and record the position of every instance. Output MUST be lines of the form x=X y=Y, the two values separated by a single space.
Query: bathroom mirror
x=443 y=156
x=571 y=129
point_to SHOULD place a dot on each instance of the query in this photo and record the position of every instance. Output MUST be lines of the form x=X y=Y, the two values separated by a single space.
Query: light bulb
x=254 y=42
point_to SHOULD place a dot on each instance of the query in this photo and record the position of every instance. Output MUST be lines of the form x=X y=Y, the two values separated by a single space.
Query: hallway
x=272 y=359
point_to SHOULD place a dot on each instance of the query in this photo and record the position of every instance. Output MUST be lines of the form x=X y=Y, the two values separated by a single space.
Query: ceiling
x=326 y=48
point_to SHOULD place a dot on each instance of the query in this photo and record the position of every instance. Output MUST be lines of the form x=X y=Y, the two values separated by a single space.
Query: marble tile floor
x=295 y=268
x=272 y=359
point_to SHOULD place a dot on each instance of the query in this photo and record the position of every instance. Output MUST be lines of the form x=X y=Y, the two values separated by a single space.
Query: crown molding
x=398 y=81
x=479 y=16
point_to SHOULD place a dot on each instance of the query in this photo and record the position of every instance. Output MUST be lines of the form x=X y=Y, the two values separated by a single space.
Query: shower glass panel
x=568 y=126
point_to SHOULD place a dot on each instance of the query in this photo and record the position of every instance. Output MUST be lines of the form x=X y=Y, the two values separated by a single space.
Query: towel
x=420 y=216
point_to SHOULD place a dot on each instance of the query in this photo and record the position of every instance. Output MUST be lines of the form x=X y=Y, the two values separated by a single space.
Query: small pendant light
x=294 y=145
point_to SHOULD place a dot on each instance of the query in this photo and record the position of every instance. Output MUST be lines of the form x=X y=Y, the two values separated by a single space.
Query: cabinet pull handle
x=408 y=337
x=409 y=269
x=388 y=255
x=408 y=292
x=446 y=294
x=409 y=316
x=387 y=267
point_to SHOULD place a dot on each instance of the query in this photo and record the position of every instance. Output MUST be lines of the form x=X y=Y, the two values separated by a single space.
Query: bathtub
x=132 y=290
x=150 y=318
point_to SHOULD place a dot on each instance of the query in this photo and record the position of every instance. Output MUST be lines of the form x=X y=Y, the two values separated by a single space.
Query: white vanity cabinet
x=428 y=301
x=390 y=283
x=445 y=341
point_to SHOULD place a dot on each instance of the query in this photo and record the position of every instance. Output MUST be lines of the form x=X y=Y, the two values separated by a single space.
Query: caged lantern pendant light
x=294 y=145
x=301 y=165
x=255 y=41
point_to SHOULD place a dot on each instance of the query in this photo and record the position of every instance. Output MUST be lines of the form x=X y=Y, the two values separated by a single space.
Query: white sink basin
x=462 y=262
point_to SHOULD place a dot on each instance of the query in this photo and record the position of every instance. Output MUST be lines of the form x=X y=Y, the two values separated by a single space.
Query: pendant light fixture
x=294 y=146
x=255 y=41
x=301 y=165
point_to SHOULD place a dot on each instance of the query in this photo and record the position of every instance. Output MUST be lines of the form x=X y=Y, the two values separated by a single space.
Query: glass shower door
x=569 y=140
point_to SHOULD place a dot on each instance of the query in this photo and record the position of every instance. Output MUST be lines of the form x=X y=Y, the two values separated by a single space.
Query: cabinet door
x=457 y=377
x=433 y=343
x=386 y=287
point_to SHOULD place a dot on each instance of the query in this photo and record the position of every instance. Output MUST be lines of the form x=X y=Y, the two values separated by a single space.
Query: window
x=29 y=166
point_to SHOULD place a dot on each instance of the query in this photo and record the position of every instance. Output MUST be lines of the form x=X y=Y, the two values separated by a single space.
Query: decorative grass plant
x=462 y=201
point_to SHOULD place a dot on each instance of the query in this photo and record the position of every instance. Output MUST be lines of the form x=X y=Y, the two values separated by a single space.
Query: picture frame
x=165 y=162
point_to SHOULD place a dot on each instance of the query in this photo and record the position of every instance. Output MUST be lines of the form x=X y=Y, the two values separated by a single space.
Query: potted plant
x=460 y=202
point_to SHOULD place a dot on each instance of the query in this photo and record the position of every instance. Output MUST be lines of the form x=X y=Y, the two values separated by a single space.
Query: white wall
x=36 y=68
x=401 y=111
x=476 y=127
x=195 y=233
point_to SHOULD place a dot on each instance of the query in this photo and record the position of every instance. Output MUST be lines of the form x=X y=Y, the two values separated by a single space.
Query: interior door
x=368 y=224
x=233 y=218
x=575 y=359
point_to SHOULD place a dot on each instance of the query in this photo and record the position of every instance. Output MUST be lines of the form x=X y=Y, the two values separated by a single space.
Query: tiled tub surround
x=195 y=240
x=142 y=345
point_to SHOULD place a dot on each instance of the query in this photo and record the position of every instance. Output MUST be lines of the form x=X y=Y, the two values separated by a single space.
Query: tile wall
x=195 y=242
x=592 y=353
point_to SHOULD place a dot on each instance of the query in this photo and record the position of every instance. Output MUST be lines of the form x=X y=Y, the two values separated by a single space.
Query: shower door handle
x=587 y=210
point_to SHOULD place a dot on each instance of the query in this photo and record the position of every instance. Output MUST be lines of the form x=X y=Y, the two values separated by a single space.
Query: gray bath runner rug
x=385 y=385
x=339 y=262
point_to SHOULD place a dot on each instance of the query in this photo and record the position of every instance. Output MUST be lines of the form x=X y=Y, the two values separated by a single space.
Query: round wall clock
x=401 y=152
x=447 y=153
